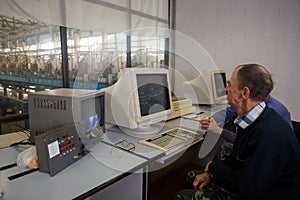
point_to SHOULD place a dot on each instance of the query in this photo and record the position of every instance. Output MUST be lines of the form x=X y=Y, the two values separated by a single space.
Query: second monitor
x=208 y=88
x=139 y=100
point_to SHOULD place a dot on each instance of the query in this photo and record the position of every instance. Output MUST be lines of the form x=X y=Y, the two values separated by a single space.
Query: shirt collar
x=251 y=116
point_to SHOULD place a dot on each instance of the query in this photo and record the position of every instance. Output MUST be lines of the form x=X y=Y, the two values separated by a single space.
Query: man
x=225 y=148
x=265 y=160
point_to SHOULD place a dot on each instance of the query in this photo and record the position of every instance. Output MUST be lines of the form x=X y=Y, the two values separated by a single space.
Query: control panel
x=58 y=148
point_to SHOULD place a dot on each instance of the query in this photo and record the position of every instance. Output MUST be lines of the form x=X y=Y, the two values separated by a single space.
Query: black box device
x=58 y=148
x=54 y=108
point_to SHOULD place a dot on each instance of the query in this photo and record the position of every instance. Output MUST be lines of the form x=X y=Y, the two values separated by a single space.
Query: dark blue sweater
x=265 y=161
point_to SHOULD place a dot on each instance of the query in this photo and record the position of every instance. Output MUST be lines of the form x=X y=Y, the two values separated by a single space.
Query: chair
x=296 y=126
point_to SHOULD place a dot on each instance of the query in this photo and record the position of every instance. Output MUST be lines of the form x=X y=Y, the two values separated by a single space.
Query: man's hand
x=211 y=125
x=207 y=170
x=201 y=180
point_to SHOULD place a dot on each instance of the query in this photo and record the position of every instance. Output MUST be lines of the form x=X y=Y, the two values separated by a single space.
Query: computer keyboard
x=172 y=139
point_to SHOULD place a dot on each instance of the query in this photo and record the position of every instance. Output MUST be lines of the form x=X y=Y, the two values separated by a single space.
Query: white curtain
x=110 y=16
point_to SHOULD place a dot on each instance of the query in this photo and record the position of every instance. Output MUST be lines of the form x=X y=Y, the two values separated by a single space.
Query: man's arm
x=228 y=135
x=211 y=125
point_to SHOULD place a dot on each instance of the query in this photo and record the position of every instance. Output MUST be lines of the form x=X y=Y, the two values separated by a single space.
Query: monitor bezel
x=77 y=109
x=155 y=117
x=214 y=89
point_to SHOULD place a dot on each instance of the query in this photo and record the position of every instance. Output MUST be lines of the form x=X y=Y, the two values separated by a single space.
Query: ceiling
x=12 y=28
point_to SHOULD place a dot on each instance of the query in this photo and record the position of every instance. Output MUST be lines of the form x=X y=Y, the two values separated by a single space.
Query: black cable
x=18 y=125
x=8 y=166
x=22 y=174
x=24 y=130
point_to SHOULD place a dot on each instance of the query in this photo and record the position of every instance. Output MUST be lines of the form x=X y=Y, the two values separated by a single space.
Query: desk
x=92 y=173
x=106 y=172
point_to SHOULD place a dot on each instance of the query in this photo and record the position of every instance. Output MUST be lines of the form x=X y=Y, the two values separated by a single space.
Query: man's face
x=234 y=95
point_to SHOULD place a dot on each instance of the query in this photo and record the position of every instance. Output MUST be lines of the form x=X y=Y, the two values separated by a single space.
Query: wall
x=249 y=31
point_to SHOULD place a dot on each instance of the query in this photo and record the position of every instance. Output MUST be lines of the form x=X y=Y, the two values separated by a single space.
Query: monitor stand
x=144 y=131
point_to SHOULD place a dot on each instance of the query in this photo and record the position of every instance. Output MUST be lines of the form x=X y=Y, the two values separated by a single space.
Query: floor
x=166 y=182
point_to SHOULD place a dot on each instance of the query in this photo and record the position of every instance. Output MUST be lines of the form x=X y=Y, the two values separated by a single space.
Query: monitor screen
x=92 y=119
x=153 y=93
x=92 y=113
x=220 y=84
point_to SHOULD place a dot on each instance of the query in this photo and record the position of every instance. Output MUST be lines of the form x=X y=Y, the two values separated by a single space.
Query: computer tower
x=54 y=108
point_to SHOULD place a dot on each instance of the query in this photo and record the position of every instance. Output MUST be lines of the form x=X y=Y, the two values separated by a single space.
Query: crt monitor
x=208 y=88
x=91 y=121
x=139 y=100
x=219 y=83
x=54 y=108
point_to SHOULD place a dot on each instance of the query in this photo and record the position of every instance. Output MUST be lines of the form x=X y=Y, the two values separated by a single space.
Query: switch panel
x=58 y=148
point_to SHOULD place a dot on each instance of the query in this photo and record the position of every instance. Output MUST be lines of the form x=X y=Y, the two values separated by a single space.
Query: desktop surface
x=92 y=171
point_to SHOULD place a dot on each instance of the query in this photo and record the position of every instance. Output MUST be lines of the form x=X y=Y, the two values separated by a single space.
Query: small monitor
x=91 y=122
x=219 y=84
x=91 y=115
x=139 y=100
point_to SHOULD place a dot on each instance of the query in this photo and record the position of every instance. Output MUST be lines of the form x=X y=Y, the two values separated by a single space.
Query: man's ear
x=246 y=93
